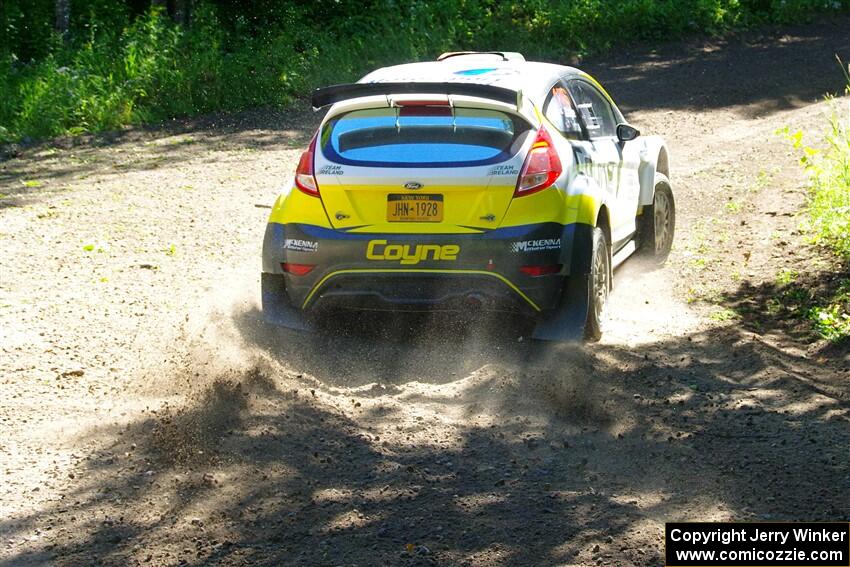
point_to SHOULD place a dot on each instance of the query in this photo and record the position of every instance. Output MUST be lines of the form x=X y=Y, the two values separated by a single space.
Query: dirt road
x=149 y=417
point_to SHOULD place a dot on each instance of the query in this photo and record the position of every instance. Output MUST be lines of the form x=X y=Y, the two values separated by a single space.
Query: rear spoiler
x=337 y=93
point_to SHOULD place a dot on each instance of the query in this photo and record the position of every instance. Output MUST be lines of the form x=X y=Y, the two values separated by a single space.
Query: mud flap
x=567 y=321
x=277 y=308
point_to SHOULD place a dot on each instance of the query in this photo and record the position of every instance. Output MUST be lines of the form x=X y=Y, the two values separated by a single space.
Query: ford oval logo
x=412 y=185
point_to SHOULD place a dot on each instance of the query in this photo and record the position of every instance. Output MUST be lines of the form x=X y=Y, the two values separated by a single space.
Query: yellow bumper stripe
x=499 y=277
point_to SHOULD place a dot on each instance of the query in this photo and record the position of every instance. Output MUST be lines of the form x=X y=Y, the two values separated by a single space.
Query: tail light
x=544 y=270
x=424 y=111
x=424 y=108
x=541 y=168
x=304 y=178
x=297 y=269
x=404 y=103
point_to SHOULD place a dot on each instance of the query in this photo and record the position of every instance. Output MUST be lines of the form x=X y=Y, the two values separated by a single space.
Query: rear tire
x=657 y=222
x=598 y=286
x=580 y=311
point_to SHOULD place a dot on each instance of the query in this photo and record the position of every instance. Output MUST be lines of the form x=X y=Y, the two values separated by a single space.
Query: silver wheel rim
x=662 y=212
x=600 y=284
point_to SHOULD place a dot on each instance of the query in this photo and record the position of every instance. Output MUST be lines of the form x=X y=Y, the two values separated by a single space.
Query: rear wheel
x=599 y=285
x=581 y=311
x=657 y=223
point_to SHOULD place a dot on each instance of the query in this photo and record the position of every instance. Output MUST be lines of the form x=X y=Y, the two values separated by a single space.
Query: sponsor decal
x=493 y=76
x=475 y=71
x=409 y=255
x=536 y=245
x=300 y=245
x=503 y=170
x=331 y=170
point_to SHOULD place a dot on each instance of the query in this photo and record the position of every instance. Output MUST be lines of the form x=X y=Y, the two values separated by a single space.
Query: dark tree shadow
x=35 y=171
x=773 y=307
x=759 y=72
x=586 y=454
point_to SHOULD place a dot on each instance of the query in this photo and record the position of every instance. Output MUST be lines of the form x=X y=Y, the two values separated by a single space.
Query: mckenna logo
x=300 y=245
x=410 y=255
x=536 y=245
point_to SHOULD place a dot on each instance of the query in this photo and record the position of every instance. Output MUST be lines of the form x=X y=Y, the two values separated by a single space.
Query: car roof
x=532 y=78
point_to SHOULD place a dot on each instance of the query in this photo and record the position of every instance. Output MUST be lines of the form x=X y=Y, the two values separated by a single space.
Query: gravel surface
x=149 y=417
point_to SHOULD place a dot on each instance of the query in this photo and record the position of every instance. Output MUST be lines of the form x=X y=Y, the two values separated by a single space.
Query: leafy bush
x=828 y=209
x=829 y=183
x=832 y=320
x=829 y=198
x=126 y=63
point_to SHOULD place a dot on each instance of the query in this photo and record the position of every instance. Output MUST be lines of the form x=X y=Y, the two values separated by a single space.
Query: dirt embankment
x=149 y=417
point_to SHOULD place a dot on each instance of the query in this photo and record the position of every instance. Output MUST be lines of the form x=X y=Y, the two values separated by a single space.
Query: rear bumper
x=415 y=272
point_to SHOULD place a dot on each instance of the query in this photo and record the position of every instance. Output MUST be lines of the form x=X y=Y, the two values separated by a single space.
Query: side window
x=594 y=109
x=560 y=112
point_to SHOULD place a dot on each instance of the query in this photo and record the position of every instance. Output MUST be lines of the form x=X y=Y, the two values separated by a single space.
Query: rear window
x=416 y=136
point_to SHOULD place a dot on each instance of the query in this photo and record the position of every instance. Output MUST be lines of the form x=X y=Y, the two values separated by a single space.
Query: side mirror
x=627 y=133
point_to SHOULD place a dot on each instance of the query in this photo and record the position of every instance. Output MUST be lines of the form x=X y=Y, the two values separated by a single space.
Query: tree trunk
x=63 y=17
x=182 y=11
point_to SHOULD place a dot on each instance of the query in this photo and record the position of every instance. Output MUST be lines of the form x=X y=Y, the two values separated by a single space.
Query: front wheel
x=599 y=285
x=657 y=222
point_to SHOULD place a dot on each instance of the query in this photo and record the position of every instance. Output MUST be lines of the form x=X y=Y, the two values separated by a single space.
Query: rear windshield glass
x=421 y=137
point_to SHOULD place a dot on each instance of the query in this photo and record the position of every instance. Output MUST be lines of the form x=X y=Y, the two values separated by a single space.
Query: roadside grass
x=827 y=223
x=805 y=300
x=724 y=315
x=786 y=276
x=788 y=301
x=733 y=207
x=832 y=320
x=811 y=299
x=121 y=68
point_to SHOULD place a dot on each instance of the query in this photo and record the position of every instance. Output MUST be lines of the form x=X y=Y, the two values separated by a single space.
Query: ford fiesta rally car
x=478 y=180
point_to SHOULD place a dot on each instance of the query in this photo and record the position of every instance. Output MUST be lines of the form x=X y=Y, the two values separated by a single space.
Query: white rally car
x=477 y=180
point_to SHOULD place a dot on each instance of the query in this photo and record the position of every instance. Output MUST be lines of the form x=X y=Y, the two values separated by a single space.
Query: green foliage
x=829 y=182
x=829 y=197
x=126 y=64
x=829 y=211
x=96 y=86
x=724 y=315
x=786 y=277
x=832 y=320
x=26 y=29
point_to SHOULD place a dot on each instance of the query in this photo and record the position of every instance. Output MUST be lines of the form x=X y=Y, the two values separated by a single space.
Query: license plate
x=414 y=208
